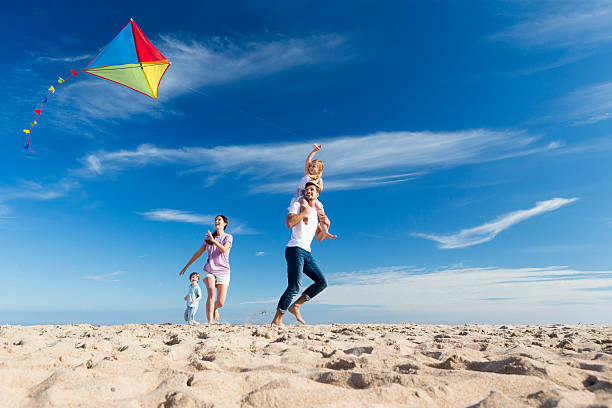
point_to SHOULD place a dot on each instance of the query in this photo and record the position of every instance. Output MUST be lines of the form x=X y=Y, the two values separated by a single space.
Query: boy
x=193 y=297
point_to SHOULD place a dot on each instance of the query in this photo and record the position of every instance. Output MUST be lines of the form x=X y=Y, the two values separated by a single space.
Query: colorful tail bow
x=51 y=90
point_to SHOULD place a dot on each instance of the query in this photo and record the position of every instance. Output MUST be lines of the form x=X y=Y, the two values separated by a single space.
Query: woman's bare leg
x=209 y=282
x=221 y=295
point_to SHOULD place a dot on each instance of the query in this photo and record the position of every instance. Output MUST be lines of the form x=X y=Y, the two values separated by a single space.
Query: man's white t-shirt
x=302 y=234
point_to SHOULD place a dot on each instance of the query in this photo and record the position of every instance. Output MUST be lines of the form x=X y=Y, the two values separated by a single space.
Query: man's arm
x=294 y=219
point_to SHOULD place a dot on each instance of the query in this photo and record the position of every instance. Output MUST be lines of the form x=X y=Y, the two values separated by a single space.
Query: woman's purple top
x=218 y=262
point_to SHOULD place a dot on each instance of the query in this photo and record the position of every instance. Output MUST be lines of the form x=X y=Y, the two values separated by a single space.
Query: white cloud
x=37 y=191
x=553 y=294
x=105 y=277
x=260 y=253
x=166 y=214
x=194 y=64
x=4 y=210
x=488 y=231
x=587 y=105
x=562 y=24
x=260 y=301
x=359 y=161
x=170 y=215
x=219 y=61
x=75 y=58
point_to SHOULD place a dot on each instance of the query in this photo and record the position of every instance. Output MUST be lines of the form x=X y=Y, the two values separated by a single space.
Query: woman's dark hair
x=226 y=223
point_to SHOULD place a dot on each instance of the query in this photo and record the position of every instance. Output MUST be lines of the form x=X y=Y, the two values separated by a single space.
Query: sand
x=368 y=365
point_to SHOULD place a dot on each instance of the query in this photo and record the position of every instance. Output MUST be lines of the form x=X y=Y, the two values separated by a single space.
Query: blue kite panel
x=120 y=51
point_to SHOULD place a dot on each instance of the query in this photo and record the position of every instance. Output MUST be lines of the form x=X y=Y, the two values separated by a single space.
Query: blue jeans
x=300 y=261
x=190 y=313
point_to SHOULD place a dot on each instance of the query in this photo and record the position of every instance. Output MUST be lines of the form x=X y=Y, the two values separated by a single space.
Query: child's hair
x=319 y=164
x=194 y=274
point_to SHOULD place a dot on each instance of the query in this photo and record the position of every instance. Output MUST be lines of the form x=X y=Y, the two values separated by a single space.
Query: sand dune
x=369 y=365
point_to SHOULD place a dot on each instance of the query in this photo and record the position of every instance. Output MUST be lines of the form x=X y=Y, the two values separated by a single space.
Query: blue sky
x=466 y=147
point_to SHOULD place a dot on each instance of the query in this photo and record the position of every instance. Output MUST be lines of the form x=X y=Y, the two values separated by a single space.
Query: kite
x=129 y=60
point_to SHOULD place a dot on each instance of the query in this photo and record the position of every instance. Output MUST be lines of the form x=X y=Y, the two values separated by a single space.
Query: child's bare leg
x=325 y=226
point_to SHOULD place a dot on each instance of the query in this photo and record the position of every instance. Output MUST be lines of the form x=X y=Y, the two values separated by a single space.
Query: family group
x=307 y=221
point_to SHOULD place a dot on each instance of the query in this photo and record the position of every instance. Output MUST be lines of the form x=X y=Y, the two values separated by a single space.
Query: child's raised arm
x=310 y=156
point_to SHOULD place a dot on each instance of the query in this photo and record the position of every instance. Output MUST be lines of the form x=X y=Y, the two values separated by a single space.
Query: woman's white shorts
x=219 y=279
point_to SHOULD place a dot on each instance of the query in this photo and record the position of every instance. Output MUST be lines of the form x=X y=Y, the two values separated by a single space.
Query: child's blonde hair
x=320 y=166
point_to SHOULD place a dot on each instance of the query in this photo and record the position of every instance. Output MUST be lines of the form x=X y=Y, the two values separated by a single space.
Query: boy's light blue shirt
x=194 y=293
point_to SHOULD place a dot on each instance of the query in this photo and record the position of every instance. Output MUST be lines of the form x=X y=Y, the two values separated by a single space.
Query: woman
x=217 y=268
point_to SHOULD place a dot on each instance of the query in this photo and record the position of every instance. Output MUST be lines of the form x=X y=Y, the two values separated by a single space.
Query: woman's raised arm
x=194 y=258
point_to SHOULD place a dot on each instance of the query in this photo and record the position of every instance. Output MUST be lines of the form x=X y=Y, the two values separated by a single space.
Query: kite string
x=251 y=115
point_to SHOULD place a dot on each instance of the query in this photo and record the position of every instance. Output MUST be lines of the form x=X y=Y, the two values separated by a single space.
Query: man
x=304 y=224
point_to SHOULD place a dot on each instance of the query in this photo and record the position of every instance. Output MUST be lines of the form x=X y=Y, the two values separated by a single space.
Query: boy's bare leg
x=295 y=309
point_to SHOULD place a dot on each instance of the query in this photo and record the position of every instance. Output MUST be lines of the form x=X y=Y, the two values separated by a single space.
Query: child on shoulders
x=312 y=173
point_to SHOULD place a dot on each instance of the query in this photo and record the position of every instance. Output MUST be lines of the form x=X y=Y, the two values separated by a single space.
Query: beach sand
x=341 y=365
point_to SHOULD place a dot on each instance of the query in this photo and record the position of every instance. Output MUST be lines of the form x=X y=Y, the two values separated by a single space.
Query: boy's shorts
x=219 y=279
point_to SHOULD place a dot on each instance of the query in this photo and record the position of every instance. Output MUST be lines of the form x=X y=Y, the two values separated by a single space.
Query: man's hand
x=185 y=297
x=182 y=272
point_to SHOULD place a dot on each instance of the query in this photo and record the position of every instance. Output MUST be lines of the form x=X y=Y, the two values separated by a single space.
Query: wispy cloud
x=195 y=64
x=260 y=253
x=260 y=301
x=562 y=24
x=562 y=32
x=4 y=210
x=37 y=191
x=488 y=231
x=475 y=294
x=170 y=215
x=44 y=58
x=390 y=157
x=587 y=105
x=112 y=277
x=219 y=61
x=166 y=214
x=347 y=183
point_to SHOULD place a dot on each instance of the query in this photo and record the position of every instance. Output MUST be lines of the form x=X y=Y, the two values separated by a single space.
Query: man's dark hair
x=312 y=183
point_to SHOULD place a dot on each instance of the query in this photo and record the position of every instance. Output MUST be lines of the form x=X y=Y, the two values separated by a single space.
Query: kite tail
x=52 y=89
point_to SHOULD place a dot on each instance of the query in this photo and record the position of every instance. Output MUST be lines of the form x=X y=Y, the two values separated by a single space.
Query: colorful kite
x=129 y=60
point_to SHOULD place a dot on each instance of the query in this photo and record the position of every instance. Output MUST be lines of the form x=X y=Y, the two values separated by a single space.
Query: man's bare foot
x=278 y=319
x=293 y=309
x=216 y=316
x=327 y=235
